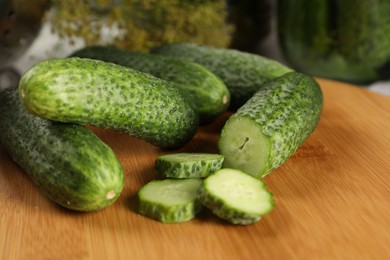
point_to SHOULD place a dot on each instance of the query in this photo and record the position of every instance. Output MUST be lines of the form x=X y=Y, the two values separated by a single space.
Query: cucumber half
x=271 y=125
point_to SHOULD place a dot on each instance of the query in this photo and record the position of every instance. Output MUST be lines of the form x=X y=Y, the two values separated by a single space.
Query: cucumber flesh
x=170 y=200
x=236 y=196
x=188 y=165
x=247 y=146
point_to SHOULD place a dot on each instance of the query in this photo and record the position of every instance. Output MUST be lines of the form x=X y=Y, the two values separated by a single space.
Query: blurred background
x=346 y=40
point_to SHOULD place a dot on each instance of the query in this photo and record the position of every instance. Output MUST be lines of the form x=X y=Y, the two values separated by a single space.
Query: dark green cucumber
x=170 y=200
x=271 y=126
x=209 y=92
x=68 y=162
x=243 y=73
x=107 y=95
x=236 y=196
x=188 y=165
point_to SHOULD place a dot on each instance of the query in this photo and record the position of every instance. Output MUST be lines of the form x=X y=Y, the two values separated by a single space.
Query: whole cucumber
x=67 y=162
x=107 y=95
x=271 y=126
x=243 y=73
x=211 y=95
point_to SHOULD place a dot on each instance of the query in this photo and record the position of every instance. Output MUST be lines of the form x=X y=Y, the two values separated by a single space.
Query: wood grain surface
x=331 y=196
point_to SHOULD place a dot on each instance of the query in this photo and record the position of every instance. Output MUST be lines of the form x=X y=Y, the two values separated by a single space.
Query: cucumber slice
x=170 y=200
x=188 y=165
x=236 y=196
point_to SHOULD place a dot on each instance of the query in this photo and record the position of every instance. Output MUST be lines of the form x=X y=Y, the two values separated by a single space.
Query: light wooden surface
x=332 y=200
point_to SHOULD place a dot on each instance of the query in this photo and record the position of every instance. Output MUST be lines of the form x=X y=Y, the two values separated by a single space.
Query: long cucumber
x=67 y=162
x=243 y=73
x=211 y=95
x=107 y=95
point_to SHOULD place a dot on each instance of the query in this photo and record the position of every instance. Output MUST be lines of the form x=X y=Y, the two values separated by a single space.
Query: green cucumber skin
x=288 y=110
x=211 y=95
x=243 y=73
x=107 y=95
x=178 y=214
x=200 y=168
x=67 y=162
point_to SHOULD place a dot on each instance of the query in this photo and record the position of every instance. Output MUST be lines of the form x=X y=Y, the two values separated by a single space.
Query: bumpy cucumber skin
x=107 y=95
x=209 y=92
x=67 y=162
x=221 y=208
x=169 y=214
x=197 y=167
x=243 y=73
x=287 y=110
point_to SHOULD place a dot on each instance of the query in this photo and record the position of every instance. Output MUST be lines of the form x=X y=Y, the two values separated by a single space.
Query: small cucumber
x=68 y=162
x=107 y=95
x=209 y=92
x=188 y=165
x=271 y=126
x=243 y=73
x=236 y=196
x=170 y=200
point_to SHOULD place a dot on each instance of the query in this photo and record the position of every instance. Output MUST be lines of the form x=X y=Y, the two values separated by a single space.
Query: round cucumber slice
x=170 y=200
x=236 y=196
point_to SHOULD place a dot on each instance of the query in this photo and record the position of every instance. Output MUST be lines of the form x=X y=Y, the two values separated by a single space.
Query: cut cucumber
x=188 y=165
x=236 y=196
x=271 y=126
x=170 y=200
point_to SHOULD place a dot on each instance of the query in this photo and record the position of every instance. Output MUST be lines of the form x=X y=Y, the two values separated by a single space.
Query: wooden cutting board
x=332 y=200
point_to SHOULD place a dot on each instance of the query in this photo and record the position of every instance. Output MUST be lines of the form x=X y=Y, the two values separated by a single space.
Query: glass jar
x=347 y=40
x=20 y=23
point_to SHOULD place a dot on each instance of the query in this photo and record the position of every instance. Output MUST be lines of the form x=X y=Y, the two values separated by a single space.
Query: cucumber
x=188 y=165
x=235 y=196
x=211 y=95
x=170 y=200
x=271 y=126
x=107 y=95
x=243 y=73
x=67 y=162
x=344 y=40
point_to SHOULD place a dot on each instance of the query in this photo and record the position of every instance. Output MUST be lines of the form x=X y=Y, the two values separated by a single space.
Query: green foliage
x=144 y=24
